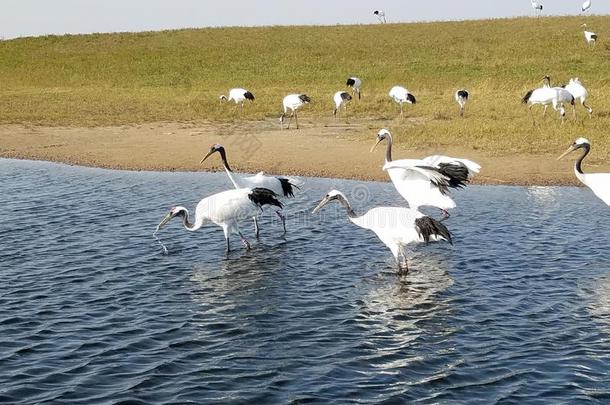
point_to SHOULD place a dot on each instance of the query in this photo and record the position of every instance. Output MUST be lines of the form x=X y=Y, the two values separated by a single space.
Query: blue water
x=91 y=311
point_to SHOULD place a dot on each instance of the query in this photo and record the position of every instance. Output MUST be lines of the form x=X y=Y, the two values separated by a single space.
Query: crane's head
x=222 y=98
x=173 y=212
x=330 y=196
x=577 y=144
x=584 y=25
x=221 y=150
x=383 y=134
x=547 y=78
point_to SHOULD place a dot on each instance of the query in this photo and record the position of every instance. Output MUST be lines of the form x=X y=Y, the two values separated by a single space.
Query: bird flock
x=425 y=182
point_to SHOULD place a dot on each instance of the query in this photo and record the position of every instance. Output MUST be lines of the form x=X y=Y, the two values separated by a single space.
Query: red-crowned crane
x=293 y=102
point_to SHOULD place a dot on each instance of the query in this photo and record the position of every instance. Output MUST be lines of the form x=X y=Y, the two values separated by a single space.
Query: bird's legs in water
x=256 y=229
x=282 y=218
x=244 y=241
x=446 y=214
x=403 y=267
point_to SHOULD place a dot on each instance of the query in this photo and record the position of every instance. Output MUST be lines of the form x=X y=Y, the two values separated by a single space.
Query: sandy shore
x=339 y=150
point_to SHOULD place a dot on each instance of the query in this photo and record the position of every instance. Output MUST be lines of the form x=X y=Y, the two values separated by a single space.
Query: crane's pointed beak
x=376 y=143
x=320 y=205
x=206 y=156
x=570 y=149
x=164 y=221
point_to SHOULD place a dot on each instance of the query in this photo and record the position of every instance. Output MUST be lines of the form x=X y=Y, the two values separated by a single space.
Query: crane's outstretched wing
x=436 y=160
x=419 y=173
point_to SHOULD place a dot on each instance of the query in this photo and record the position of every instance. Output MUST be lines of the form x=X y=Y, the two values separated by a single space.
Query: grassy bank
x=112 y=79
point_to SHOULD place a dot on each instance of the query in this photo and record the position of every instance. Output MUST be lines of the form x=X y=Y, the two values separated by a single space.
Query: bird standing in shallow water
x=225 y=209
x=599 y=183
x=396 y=227
x=426 y=181
x=281 y=186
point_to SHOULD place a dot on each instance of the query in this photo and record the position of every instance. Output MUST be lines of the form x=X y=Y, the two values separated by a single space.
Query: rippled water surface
x=91 y=311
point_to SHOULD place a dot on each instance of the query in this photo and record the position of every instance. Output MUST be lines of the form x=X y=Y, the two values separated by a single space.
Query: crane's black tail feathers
x=527 y=96
x=305 y=98
x=346 y=96
x=263 y=196
x=249 y=96
x=427 y=227
x=411 y=98
x=456 y=172
x=287 y=187
x=350 y=82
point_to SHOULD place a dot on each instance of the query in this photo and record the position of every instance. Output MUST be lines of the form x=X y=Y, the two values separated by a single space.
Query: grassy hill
x=105 y=79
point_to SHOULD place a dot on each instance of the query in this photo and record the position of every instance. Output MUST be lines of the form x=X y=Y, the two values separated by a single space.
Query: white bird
x=579 y=92
x=239 y=96
x=380 y=16
x=599 y=183
x=283 y=187
x=426 y=181
x=590 y=36
x=396 y=227
x=585 y=6
x=401 y=95
x=341 y=98
x=225 y=209
x=537 y=7
x=293 y=102
x=545 y=95
x=461 y=97
x=356 y=84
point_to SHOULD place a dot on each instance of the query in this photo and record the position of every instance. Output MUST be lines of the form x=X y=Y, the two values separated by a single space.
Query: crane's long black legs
x=283 y=219
x=256 y=228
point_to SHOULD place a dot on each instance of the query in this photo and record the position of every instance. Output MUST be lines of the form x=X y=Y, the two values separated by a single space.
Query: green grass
x=107 y=79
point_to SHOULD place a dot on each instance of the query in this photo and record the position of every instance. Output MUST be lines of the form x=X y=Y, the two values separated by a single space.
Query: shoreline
x=331 y=151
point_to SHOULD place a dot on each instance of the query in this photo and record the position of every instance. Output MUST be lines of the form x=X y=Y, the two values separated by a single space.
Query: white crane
x=426 y=181
x=537 y=7
x=341 y=98
x=585 y=6
x=356 y=84
x=238 y=96
x=461 y=97
x=590 y=36
x=281 y=186
x=545 y=95
x=396 y=227
x=293 y=102
x=401 y=95
x=579 y=92
x=380 y=16
x=225 y=209
x=599 y=183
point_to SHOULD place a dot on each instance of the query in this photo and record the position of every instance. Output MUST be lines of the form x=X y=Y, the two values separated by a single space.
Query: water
x=92 y=311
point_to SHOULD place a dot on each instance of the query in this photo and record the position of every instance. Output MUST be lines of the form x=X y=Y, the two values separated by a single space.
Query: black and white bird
x=356 y=84
x=461 y=97
x=599 y=183
x=585 y=6
x=426 y=182
x=396 y=227
x=590 y=36
x=401 y=95
x=579 y=92
x=282 y=187
x=545 y=95
x=225 y=209
x=341 y=98
x=537 y=7
x=380 y=16
x=293 y=102
x=238 y=96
